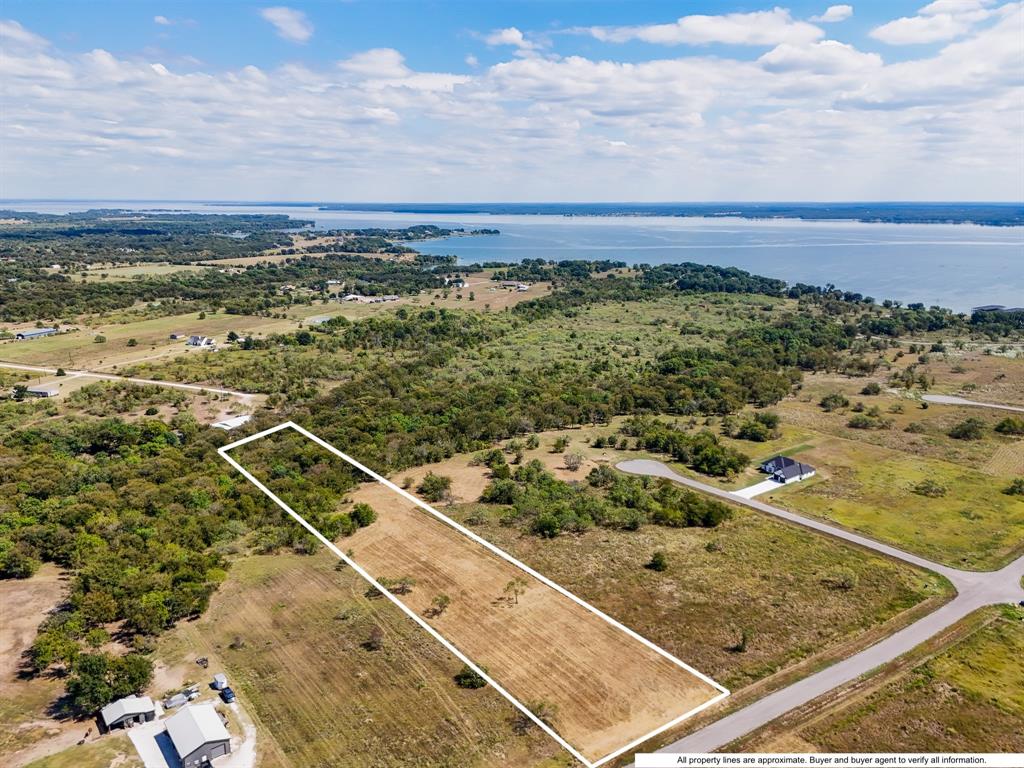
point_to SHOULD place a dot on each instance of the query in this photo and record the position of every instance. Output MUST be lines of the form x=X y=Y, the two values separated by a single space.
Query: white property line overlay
x=723 y=692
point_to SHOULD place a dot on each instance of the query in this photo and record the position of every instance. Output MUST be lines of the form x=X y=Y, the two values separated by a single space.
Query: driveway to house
x=245 y=397
x=758 y=488
x=954 y=400
x=974 y=590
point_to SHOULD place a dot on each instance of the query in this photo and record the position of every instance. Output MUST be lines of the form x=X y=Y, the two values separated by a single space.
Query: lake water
x=952 y=265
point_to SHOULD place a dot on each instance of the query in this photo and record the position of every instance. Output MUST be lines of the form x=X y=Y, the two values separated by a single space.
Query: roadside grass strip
x=719 y=692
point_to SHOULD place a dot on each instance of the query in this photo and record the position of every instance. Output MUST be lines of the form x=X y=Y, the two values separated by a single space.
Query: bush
x=1010 y=426
x=659 y=561
x=874 y=388
x=468 y=678
x=930 y=488
x=843 y=579
x=363 y=514
x=99 y=339
x=435 y=487
x=915 y=428
x=968 y=429
x=1016 y=488
x=833 y=401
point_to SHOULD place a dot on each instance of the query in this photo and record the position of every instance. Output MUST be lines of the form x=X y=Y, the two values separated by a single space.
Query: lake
x=952 y=265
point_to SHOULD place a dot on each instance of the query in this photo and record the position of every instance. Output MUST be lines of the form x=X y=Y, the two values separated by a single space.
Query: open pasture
x=596 y=685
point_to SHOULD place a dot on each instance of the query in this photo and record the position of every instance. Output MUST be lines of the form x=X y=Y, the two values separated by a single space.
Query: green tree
x=363 y=514
x=659 y=561
x=435 y=488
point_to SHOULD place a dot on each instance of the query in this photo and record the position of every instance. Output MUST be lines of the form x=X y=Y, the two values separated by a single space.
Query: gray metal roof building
x=198 y=735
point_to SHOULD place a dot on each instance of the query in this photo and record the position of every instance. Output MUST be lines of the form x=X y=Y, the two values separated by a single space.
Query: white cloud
x=472 y=60
x=11 y=32
x=757 y=28
x=809 y=119
x=833 y=14
x=376 y=63
x=162 y=21
x=509 y=36
x=290 y=24
x=825 y=57
x=935 y=22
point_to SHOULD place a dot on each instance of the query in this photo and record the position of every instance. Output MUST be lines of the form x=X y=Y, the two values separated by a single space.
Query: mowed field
x=291 y=632
x=600 y=687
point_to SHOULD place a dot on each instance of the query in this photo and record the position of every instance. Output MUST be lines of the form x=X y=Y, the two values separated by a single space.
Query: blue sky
x=529 y=100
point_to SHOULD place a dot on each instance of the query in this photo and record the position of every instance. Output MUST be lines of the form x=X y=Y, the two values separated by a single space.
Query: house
x=198 y=735
x=509 y=283
x=127 y=712
x=43 y=390
x=220 y=681
x=455 y=282
x=200 y=341
x=522 y=287
x=35 y=333
x=352 y=297
x=786 y=470
x=228 y=424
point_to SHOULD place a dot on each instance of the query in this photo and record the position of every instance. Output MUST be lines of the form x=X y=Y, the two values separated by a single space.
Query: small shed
x=129 y=711
x=198 y=735
x=35 y=333
x=220 y=681
x=43 y=390
x=236 y=421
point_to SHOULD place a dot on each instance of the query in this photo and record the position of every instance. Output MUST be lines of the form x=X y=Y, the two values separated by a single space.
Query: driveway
x=758 y=488
x=954 y=400
x=154 y=745
x=974 y=590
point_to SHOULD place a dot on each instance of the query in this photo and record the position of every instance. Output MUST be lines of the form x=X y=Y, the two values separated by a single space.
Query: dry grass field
x=965 y=697
x=291 y=632
x=607 y=689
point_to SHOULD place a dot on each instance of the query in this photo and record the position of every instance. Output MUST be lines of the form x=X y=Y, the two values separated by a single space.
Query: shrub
x=1016 y=488
x=1010 y=426
x=843 y=579
x=915 y=428
x=659 y=561
x=363 y=514
x=930 y=488
x=572 y=461
x=99 y=339
x=873 y=388
x=435 y=487
x=469 y=678
x=968 y=429
x=833 y=401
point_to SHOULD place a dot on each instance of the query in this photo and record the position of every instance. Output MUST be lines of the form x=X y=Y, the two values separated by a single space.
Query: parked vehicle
x=227 y=695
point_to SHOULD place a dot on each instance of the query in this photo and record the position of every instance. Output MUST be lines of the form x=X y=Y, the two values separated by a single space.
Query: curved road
x=974 y=590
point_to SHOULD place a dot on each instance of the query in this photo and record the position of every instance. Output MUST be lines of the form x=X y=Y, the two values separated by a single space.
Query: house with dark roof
x=783 y=469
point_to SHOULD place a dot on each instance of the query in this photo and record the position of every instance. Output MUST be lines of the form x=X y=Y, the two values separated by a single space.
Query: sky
x=436 y=101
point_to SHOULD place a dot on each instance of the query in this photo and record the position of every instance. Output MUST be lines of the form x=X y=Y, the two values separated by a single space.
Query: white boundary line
x=723 y=692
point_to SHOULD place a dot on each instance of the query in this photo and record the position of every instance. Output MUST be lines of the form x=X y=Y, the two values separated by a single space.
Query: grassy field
x=111 y=751
x=605 y=687
x=290 y=631
x=969 y=698
x=98 y=274
x=871 y=489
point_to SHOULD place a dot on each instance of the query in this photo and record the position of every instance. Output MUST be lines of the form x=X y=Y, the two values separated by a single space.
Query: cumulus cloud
x=757 y=28
x=833 y=14
x=509 y=36
x=162 y=21
x=12 y=33
x=526 y=127
x=935 y=22
x=292 y=25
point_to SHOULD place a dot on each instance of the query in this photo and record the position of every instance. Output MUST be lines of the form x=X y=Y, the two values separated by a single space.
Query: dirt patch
x=24 y=604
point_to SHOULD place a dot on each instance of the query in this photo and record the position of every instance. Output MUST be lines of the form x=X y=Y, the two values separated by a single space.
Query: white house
x=786 y=470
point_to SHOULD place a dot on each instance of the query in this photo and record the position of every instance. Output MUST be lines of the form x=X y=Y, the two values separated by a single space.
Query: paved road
x=954 y=400
x=244 y=396
x=974 y=590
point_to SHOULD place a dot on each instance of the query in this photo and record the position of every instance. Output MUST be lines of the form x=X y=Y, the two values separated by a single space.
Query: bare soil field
x=292 y=631
x=606 y=688
x=27 y=728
